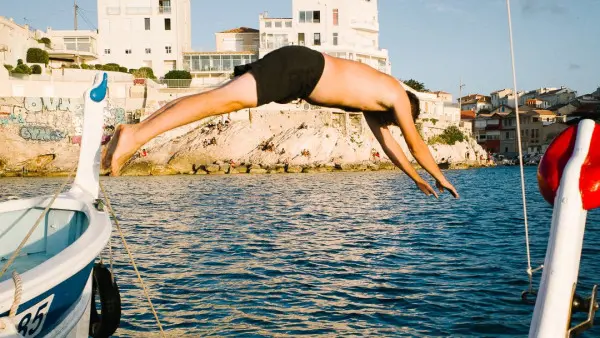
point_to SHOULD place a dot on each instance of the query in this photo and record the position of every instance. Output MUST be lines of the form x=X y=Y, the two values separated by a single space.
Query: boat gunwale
x=66 y=263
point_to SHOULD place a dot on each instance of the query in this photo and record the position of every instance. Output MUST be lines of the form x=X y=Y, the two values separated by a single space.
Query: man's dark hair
x=389 y=118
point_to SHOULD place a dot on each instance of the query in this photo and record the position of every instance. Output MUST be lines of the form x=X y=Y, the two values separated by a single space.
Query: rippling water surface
x=344 y=254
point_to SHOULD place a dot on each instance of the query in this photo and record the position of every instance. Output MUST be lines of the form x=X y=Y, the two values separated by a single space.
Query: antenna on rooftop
x=75 y=7
x=460 y=87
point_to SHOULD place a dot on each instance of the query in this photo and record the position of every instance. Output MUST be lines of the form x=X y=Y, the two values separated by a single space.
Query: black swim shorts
x=285 y=74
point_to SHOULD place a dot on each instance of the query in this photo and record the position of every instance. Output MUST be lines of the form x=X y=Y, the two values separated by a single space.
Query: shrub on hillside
x=178 y=79
x=178 y=75
x=19 y=62
x=98 y=66
x=144 y=72
x=123 y=69
x=22 y=69
x=45 y=41
x=37 y=55
x=36 y=69
x=111 y=67
x=9 y=67
x=74 y=66
x=86 y=66
x=450 y=136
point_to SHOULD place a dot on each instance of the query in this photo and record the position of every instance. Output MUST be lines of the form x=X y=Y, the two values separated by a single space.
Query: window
x=147 y=23
x=288 y=24
x=310 y=16
x=301 y=39
x=278 y=24
x=127 y=51
x=507 y=136
x=316 y=16
x=148 y=50
x=168 y=49
x=268 y=24
x=336 y=17
x=167 y=24
x=107 y=51
x=335 y=39
x=317 y=41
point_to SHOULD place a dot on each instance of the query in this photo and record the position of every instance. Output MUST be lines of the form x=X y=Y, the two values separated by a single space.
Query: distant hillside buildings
x=543 y=112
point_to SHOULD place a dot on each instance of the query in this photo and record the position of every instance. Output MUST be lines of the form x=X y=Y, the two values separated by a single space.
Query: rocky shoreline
x=149 y=169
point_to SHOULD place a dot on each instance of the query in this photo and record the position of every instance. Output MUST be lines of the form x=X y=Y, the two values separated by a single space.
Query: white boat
x=576 y=193
x=51 y=294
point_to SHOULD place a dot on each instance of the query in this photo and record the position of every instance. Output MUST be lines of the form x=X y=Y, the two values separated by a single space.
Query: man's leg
x=238 y=94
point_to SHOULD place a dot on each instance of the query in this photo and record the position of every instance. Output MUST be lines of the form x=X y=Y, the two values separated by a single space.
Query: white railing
x=138 y=10
x=243 y=48
x=368 y=24
x=274 y=45
x=59 y=47
x=115 y=10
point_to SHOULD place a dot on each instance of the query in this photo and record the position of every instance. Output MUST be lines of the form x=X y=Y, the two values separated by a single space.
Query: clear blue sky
x=434 y=41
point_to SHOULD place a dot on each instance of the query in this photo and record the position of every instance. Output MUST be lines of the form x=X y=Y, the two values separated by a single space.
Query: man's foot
x=121 y=147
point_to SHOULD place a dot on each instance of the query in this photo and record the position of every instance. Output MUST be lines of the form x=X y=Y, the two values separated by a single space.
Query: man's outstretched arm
x=417 y=146
x=394 y=152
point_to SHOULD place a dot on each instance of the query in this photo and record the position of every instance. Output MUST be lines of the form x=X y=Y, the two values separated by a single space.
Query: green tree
x=22 y=69
x=36 y=69
x=45 y=41
x=416 y=85
x=37 y=55
x=450 y=136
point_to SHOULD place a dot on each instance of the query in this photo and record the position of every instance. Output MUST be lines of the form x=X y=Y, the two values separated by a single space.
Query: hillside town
x=544 y=113
x=146 y=48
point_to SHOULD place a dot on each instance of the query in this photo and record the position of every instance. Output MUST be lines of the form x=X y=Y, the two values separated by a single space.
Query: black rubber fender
x=105 y=324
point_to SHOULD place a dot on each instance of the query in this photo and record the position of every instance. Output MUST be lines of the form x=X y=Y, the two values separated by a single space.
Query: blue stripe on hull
x=62 y=297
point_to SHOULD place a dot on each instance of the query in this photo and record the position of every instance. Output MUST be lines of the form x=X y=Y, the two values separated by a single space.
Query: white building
x=343 y=28
x=437 y=112
x=497 y=95
x=235 y=47
x=65 y=47
x=15 y=40
x=72 y=46
x=144 y=33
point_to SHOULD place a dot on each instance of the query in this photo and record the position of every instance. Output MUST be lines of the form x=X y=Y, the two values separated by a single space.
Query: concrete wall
x=63 y=83
x=237 y=42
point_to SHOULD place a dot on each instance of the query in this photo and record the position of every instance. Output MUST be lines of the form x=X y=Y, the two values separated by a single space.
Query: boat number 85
x=31 y=321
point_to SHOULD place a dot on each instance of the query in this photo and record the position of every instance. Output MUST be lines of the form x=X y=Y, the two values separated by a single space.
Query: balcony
x=371 y=26
x=164 y=9
x=116 y=10
x=273 y=44
x=138 y=10
x=237 y=49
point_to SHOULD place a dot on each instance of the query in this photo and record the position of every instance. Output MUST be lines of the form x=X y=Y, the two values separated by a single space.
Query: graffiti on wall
x=38 y=133
x=52 y=119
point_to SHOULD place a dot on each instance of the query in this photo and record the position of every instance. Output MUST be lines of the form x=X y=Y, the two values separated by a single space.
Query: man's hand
x=446 y=185
x=426 y=188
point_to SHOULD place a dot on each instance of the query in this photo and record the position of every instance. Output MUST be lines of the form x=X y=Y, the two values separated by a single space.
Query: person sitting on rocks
x=290 y=73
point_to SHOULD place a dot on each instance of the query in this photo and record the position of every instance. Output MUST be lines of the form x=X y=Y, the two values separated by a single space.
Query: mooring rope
x=523 y=195
x=110 y=209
